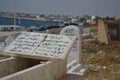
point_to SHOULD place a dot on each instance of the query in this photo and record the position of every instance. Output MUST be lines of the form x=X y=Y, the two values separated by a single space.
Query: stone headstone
x=86 y=33
x=76 y=49
x=29 y=44
x=8 y=40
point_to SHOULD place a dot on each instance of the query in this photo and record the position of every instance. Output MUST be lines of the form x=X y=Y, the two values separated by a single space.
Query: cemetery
x=101 y=54
x=102 y=60
x=64 y=56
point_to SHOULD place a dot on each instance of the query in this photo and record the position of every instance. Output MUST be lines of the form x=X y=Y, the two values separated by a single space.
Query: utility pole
x=14 y=15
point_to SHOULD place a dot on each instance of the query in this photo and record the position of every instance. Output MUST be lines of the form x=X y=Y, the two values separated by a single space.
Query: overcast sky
x=64 y=7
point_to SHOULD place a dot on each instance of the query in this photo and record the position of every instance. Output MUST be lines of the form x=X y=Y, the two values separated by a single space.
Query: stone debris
x=103 y=61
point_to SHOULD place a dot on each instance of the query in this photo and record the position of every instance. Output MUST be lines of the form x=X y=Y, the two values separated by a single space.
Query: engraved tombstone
x=76 y=49
x=48 y=46
x=25 y=43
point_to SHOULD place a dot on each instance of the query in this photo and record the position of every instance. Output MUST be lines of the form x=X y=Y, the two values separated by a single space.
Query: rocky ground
x=103 y=61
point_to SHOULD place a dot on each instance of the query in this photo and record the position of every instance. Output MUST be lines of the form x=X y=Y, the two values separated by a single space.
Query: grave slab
x=37 y=56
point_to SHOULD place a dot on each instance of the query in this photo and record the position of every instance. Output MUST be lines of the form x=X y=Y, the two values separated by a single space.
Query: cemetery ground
x=103 y=60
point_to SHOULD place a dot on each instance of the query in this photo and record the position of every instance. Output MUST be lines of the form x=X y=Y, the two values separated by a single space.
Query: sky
x=64 y=7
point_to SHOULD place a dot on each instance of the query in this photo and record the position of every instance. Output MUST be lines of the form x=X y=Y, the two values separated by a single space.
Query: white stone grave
x=35 y=54
x=41 y=45
x=76 y=49
x=75 y=64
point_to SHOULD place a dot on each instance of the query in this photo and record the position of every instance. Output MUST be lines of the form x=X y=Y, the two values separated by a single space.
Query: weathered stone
x=76 y=49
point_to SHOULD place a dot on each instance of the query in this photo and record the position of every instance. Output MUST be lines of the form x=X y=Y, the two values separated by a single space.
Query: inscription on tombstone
x=53 y=45
x=38 y=44
x=76 y=49
x=26 y=42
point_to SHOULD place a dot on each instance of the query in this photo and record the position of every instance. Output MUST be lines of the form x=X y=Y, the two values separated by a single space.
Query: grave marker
x=86 y=33
x=37 y=45
x=76 y=49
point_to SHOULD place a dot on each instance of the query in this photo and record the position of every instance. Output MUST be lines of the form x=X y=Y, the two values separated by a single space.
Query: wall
x=51 y=70
x=102 y=32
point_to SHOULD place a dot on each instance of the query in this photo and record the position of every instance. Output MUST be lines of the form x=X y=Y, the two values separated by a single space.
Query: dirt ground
x=103 y=61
